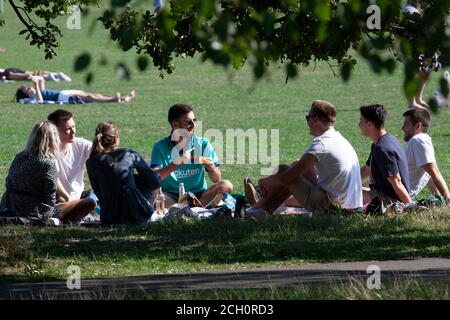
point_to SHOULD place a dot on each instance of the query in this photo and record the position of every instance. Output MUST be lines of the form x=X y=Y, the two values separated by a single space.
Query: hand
x=36 y=79
x=185 y=158
x=207 y=162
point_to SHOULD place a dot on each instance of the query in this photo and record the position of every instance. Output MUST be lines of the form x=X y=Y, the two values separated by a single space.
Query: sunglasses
x=188 y=122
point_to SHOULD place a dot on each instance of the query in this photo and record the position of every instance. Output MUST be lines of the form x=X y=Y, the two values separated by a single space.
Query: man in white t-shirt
x=422 y=166
x=326 y=177
x=71 y=161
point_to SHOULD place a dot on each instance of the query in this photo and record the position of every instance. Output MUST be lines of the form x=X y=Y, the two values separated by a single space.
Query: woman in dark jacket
x=121 y=179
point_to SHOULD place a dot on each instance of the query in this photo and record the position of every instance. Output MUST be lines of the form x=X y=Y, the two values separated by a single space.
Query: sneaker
x=64 y=77
x=251 y=193
x=51 y=77
x=256 y=214
x=54 y=222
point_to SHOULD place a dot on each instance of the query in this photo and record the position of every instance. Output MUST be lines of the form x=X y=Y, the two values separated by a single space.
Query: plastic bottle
x=181 y=193
x=160 y=204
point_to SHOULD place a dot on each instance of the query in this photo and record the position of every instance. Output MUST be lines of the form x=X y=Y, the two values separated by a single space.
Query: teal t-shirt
x=192 y=175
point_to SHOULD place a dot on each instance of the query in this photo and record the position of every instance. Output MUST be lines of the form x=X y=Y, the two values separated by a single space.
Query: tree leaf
x=142 y=63
x=82 y=61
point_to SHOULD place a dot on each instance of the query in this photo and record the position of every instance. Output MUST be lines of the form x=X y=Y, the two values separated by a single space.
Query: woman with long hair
x=32 y=180
x=121 y=178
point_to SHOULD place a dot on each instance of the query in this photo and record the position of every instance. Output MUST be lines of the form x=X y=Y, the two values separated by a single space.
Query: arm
x=16 y=76
x=365 y=172
x=213 y=171
x=38 y=86
x=433 y=170
x=305 y=164
x=61 y=193
x=150 y=176
x=399 y=188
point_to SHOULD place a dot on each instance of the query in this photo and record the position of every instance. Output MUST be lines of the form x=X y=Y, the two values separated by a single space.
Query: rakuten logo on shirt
x=186 y=173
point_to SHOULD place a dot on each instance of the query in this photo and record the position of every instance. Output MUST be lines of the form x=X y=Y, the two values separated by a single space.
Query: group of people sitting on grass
x=45 y=180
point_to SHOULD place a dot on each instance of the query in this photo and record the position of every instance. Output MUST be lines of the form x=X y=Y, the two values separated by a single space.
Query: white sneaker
x=51 y=77
x=64 y=77
x=54 y=222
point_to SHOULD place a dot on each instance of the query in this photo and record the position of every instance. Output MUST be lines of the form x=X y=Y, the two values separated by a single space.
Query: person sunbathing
x=19 y=74
x=40 y=93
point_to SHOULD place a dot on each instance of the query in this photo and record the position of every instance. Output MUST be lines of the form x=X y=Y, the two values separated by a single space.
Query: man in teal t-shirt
x=184 y=158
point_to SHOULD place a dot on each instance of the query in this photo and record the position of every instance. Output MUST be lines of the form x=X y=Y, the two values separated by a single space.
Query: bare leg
x=75 y=210
x=432 y=187
x=97 y=97
x=129 y=97
x=223 y=186
x=274 y=198
x=423 y=78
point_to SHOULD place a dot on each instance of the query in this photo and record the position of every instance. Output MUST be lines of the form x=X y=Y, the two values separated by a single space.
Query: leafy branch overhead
x=235 y=32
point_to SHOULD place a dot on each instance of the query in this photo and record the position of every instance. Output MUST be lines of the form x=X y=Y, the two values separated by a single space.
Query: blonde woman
x=32 y=179
x=125 y=196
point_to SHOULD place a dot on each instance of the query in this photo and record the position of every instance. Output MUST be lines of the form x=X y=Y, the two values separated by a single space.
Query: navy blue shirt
x=50 y=94
x=123 y=183
x=386 y=159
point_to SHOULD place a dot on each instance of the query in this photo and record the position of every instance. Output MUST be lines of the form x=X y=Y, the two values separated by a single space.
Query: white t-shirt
x=338 y=169
x=71 y=167
x=419 y=151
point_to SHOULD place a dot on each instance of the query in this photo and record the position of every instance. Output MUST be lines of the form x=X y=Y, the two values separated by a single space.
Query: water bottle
x=160 y=204
x=182 y=198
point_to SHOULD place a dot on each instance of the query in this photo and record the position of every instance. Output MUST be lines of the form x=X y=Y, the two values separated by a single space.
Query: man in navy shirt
x=387 y=165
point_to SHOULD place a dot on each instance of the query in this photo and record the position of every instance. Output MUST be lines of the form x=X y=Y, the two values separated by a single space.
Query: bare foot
x=129 y=97
x=414 y=105
x=423 y=104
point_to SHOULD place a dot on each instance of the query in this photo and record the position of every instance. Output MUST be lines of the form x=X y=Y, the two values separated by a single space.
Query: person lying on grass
x=40 y=93
x=19 y=74
x=32 y=179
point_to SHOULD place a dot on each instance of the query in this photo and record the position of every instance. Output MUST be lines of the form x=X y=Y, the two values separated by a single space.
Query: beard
x=408 y=137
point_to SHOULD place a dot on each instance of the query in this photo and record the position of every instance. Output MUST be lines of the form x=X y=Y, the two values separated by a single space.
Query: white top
x=419 y=151
x=338 y=169
x=71 y=167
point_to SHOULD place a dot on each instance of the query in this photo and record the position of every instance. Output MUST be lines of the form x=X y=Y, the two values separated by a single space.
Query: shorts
x=312 y=197
x=64 y=95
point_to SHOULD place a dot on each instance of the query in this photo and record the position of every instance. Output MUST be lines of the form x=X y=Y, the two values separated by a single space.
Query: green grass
x=222 y=100
x=37 y=253
x=397 y=289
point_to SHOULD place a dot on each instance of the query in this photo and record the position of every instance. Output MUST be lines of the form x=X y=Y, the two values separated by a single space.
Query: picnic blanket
x=72 y=100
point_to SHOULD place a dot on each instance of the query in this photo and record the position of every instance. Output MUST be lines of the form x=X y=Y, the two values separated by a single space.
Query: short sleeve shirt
x=387 y=158
x=192 y=175
x=419 y=152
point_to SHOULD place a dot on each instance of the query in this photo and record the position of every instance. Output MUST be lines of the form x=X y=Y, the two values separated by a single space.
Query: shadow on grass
x=321 y=239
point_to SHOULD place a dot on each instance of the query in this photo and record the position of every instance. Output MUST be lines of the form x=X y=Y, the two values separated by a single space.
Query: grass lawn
x=222 y=100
